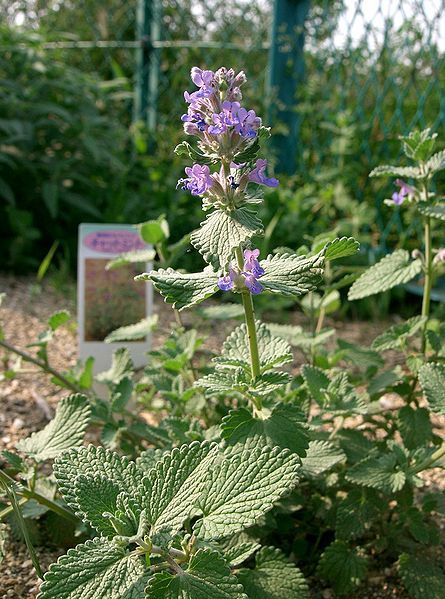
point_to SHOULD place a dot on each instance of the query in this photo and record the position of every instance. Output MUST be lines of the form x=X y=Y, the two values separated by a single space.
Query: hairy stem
x=42 y=365
x=429 y=463
x=428 y=269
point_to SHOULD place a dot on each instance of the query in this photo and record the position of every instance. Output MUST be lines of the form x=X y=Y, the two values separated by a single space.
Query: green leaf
x=292 y=275
x=237 y=380
x=361 y=357
x=414 y=426
x=242 y=487
x=96 y=495
x=341 y=247
x=154 y=231
x=96 y=570
x=432 y=381
x=392 y=270
x=181 y=289
x=321 y=456
x=273 y=351
x=413 y=172
x=92 y=462
x=383 y=473
x=343 y=567
x=121 y=366
x=65 y=430
x=394 y=337
x=435 y=163
x=283 y=426
x=222 y=232
x=355 y=444
x=172 y=489
x=418 y=145
x=222 y=311
x=239 y=551
x=133 y=257
x=148 y=459
x=432 y=210
x=356 y=513
x=421 y=578
x=133 y=332
x=299 y=338
x=317 y=381
x=206 y=575
x=273 y=577
x=58 y=319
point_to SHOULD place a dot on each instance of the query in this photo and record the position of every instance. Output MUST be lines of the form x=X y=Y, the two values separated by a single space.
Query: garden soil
x=28 y=402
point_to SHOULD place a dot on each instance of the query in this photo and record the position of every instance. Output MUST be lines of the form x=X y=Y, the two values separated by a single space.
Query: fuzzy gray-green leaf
x=289 y=274
x=413 y=172
x=95 y=570
x=421 y=577
x=222 y=232
x=133 y=332
x=274 y=577
x=182 y=290
x=342 y=566
x=432 y=381
x=392 y=270
x=394 y=337
x=273 y=351
x=207 y=575
x=341 y=248
x=432 y=210
x=242 y=487
x=321 y=456
x=65 y=430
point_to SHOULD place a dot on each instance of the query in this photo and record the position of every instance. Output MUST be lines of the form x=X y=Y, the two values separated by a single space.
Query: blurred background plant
x=91 y=98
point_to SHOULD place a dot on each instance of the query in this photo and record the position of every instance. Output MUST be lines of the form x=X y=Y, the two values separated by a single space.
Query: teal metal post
x=286 y=72
x=148 y=19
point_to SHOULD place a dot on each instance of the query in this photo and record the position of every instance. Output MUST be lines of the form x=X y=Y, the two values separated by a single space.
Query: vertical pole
x=147 y=61
x=286 y=72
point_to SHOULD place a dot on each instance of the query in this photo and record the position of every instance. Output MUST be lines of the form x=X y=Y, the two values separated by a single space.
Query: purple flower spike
x=201 y=77
x=398 y=197
x=252 y=284
x=258 y=174
x=226 y=118
x=227 y=283
x=248 y=123
x=251 y=263
x=198 y=181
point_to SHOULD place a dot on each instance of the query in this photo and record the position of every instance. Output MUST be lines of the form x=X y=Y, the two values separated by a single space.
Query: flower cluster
x=405 y=191
x=248 y=277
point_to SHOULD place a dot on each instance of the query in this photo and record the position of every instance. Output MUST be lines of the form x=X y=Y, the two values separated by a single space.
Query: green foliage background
x=71 y=151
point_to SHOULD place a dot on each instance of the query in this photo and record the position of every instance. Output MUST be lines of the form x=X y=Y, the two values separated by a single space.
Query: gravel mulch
x=28 y=402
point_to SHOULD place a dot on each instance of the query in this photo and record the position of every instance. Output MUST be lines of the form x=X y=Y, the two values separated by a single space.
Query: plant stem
x=429 y=463
x=28 y=494
x=428 y=269
x=249 y=315
x=46 y=367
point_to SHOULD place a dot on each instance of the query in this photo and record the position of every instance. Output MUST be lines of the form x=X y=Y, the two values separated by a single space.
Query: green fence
x=370 y=70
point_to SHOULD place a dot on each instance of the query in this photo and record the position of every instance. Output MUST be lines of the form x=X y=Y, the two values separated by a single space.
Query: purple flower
x=248 y=123
x=398 y=197
x=199 y=179
x=201 y=78
x=258 y=174
x=251 y=263
x=226 y=283
x=252 y=284
x=196 y=118
x=226 y=118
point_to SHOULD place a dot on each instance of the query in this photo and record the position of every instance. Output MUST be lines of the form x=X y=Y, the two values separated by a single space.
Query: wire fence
x=370 y=69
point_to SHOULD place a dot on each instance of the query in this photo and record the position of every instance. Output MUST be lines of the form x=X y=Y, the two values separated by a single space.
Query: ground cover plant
x=254 y=476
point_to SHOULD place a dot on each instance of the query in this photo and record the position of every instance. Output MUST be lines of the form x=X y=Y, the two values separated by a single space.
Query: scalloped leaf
x=274 y=577
x=342 y=566
x=432 y=381
x=65 y=430
x=383 y=473
x=284 y=426
x=436 y=163
x=134 y=257
x=182 y=290
x=207 y=575
x=421 y=578
x=394 y=337
x=96 y=569
x=321 y=456
x=273 y=351
x=292 y=275
x=392 y=270
x=432 y=210
x=133 y=332
x=413 y=172
x=222 y=232
x=341 y=248
x=237 y=380
x=94 y=461
x=243 y=487
x=172 y=489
